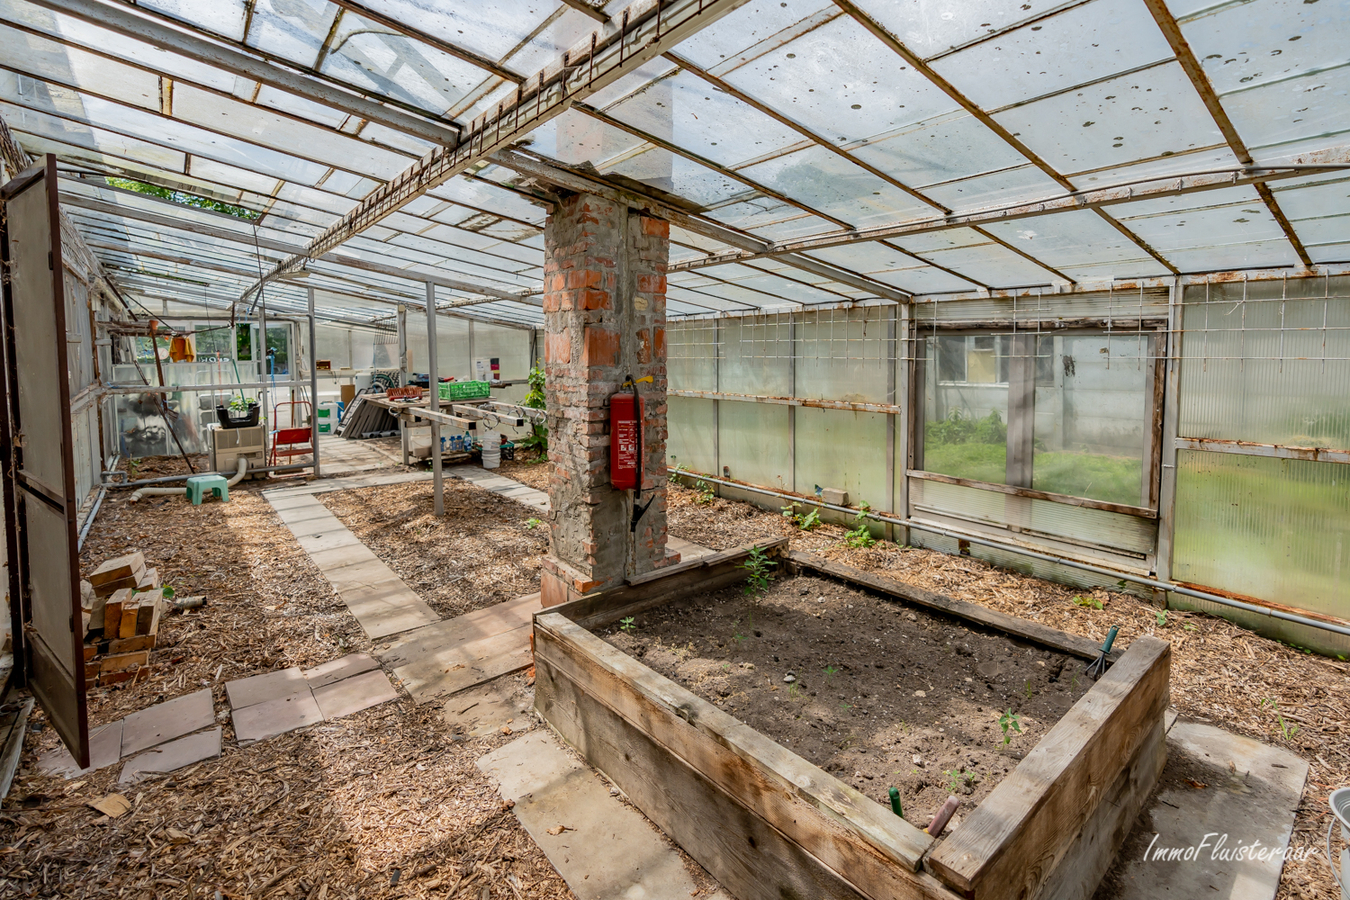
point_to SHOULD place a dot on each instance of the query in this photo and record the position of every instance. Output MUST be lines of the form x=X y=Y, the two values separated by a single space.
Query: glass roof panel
x=771 y=219
x=490 y=29
x=930 y=27
x=237 y=119
x=833 y=185
x=921 y=279
x=635 y=80
x=940 y=240
x=573 y=138
x=745 y=27
x=286 y=102
x=888 y=265
x=23 y=121
x=78 y=68
x=564 y=29
x=398 y=66
x=1209 y=226
x=993 y=265
x=1249 y=44
x=291 y=29
x=997 y=189
x=677 y=175
x=942 y=149
x=1115 y=122
x=1081 y=44
x=707 y=301
x=1310 y=106
x=842 y=83
x=1208 y=160
x=223 y=17
x=1139 y=267
x=479 y=195
x=1258 y=255
x=1063 y=239
x=694 y=115
x=1325 y=198
x=782 y=287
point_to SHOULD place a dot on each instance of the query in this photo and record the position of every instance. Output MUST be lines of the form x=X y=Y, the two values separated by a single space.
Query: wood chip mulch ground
x=484 y=550
x=1221 y=674
x=383 y=804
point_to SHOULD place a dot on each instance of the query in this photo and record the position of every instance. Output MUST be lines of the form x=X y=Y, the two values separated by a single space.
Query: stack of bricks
x=123 y=603
x=604 y=320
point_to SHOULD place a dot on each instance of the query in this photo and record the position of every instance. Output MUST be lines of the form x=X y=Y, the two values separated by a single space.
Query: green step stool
x=198 y=486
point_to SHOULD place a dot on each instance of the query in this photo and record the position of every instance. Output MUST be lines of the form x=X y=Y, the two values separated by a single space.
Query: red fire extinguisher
x=626 y=415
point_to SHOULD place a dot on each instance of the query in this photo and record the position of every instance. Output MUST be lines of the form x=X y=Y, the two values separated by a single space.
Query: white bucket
x=492 y=450
x=1340 y=808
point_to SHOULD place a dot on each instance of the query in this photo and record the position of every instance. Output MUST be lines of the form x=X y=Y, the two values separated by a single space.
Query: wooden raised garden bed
x=768 y=824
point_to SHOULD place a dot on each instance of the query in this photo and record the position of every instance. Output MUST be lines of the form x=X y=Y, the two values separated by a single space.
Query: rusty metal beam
x=1171 y=30
x=942 y=84
x=1272 y=451
x=648 y=28
x=594 y=12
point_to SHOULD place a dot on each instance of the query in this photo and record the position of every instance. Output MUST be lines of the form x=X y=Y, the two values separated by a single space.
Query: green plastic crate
x=464 y=390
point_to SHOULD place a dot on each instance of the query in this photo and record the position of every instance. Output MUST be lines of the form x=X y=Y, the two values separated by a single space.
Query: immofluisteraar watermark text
x=1218 y=848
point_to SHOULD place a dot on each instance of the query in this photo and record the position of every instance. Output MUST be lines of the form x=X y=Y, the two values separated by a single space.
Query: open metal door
x=38 y=459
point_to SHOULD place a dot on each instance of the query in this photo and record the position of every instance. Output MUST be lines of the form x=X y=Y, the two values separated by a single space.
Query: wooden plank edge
x=835 y=802
x=662 y=585
x=958 y=860
x=1046 y=636
x=13 y=748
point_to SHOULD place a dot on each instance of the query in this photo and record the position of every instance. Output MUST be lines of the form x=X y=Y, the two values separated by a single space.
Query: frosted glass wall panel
x=691 y=356
x=754 y=443
x=843 y=449
x=333 y=345
x=1271 y=368
x=1275 y=529
x=1091 y=413
x=756 y=356
x=965 y=413
x=692 y=440
x=511 y=347
x=845 y=354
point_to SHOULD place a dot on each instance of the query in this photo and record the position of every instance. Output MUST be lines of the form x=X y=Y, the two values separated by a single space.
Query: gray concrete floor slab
x=602 y=848
x=351 y=695
x=1221 y=794
x=340 y=668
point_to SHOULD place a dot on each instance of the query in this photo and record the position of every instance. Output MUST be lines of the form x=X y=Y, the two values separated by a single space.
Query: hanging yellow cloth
x=183 y=348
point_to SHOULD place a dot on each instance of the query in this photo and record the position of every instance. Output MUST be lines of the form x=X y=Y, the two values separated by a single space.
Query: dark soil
x=881 y=694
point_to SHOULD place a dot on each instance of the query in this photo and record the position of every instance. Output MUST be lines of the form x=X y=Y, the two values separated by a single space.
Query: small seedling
x=804 y=522
x=959 y=780
x=706 y=494
x=757 y=565
x=1028 y=688
x=1088 y=602
x=1286 y=729
x=675 y=473
x=628 y=624
x=1187 y=626
x=133 y=468
x=794 y=692
x=1073 y=682
x=1162 y=618
x=1011 y=723
x=533 y=523
x=861 y=536
x=169 y=592
x=829 y=671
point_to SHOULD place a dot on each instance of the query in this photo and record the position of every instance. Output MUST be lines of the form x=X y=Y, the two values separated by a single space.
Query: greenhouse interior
x=535 y=448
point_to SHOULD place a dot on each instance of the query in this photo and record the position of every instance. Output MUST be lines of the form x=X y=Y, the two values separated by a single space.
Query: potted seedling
x=239 y=413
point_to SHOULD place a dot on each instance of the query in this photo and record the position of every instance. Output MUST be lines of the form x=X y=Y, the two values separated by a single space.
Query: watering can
x=1340 y=808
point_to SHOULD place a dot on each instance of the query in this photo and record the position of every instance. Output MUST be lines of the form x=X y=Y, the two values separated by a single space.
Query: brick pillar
x=604 y=320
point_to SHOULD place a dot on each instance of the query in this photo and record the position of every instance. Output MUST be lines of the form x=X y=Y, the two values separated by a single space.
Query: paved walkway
x=432 y=657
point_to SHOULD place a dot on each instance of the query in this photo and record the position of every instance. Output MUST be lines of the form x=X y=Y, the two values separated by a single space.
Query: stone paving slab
x=105 y=748
x=340 y=668
x=604 y=850
x=273 y=717
x=351 y=695
x=267 y=686
x=166 y=721
x=171 y=756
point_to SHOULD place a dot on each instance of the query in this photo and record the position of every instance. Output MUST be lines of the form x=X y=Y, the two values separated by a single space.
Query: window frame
x=1155 y=329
